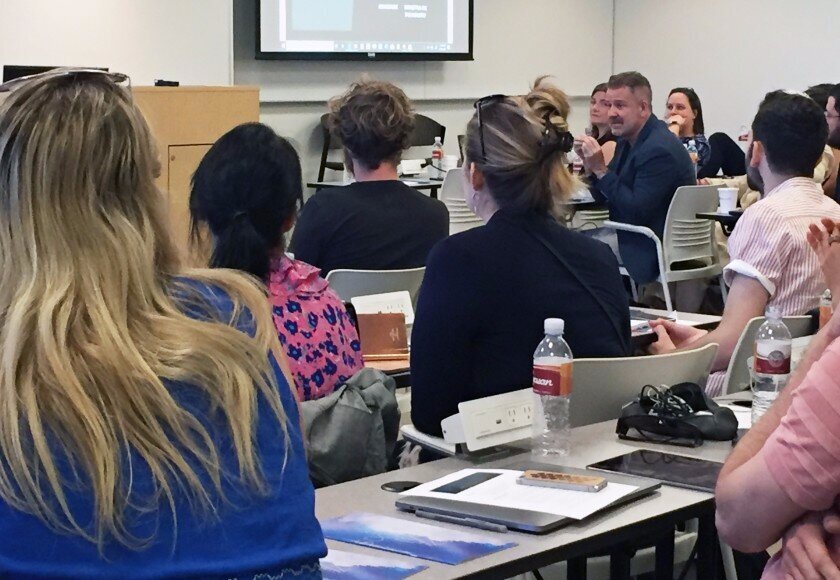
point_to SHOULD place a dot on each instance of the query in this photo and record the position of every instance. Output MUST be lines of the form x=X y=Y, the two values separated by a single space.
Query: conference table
x=433 y=185
x=649 y=520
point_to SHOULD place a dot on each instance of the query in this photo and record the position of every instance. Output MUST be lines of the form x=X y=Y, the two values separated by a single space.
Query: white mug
x=728 y=199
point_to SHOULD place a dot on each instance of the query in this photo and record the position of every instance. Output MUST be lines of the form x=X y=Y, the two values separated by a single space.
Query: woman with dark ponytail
x=246 y=192
x=487 y=291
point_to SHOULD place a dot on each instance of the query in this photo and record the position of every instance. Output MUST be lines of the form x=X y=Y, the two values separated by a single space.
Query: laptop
x=516 y=519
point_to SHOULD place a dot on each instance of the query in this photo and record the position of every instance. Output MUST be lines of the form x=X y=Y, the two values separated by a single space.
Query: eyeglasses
x=115 y=77
x=479 y=104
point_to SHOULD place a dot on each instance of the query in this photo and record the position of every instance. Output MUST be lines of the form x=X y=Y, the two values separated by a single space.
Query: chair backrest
x=602 y=386
x=453 y=185
x=589 y=219
x=737 y=374
x=330 y=142
x=425 y=131
x=686 y=237
x=351 y=283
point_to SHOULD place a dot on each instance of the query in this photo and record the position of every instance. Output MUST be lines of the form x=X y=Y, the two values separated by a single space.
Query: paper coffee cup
x=449 y=162
x=727 y=198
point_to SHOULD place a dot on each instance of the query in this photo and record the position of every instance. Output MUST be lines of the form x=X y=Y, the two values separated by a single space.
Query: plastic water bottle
x=437 y=159
x=771 y=366
x=692 y=152
x=826 y=308
x=552 y=386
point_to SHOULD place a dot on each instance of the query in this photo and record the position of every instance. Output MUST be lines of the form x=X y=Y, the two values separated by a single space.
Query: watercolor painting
x=425 y=541
x=340 y=565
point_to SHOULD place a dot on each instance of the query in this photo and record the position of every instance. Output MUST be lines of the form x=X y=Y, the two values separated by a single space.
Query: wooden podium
x=185 y=122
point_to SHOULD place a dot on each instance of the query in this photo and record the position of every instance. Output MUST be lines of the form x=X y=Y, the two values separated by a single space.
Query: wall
x=514 y=43
x=294 y=94
x=730 y=52
x=184 y=40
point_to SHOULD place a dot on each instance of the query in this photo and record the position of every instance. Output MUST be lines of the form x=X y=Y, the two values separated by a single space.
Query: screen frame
x=366 y=56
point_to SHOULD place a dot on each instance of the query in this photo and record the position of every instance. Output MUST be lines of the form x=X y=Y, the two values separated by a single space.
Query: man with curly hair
x=377 y=222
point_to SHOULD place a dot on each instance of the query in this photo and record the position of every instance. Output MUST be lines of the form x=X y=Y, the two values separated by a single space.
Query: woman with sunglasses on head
x=487 y=291
x=247 y=191
x=148 y=429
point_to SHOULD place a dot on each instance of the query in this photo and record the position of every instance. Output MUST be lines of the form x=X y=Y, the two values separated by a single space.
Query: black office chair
x=425 y=131
x=331 y=142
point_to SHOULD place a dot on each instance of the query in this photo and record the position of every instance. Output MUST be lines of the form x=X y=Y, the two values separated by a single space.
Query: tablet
x=676 y=470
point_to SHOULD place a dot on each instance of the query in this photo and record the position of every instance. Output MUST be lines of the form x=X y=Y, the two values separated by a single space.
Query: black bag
x=679 y=415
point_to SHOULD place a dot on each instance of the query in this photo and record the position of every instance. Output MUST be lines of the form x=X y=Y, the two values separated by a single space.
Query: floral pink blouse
x=314 y=328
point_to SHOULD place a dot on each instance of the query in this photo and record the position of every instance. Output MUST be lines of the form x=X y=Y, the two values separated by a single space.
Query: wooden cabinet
x=186 y=121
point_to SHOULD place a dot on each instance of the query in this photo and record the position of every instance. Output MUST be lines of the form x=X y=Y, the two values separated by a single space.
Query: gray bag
x=352 y=432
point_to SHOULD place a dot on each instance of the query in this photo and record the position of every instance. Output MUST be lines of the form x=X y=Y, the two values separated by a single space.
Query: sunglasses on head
x=483 y=102
x=553 y=139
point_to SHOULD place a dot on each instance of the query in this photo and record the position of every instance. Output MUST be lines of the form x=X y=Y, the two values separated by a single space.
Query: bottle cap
x=773 y=313
x=554 y=326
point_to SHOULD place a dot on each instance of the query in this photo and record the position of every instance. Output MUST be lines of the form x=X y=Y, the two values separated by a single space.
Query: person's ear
x=348 y=161
x=288 y=223
x=757 y=153
x=476 y=177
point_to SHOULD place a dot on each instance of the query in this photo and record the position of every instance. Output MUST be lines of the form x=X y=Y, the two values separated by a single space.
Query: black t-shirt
x=372 y=225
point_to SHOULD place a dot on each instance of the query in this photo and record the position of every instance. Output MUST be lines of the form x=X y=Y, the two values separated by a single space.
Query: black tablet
x=676 y=470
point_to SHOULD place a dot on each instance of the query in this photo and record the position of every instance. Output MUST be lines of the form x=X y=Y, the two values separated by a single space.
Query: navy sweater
x=481 y=309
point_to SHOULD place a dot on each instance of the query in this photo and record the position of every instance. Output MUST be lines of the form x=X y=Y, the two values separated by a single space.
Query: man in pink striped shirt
x=771 y=264
x=783 y=478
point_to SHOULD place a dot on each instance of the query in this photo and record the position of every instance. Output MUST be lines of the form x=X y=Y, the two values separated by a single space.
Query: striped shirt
x=802 y=453
x=769 y=245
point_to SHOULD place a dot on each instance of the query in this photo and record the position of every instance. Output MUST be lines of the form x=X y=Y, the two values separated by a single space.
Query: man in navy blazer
x=649 y=165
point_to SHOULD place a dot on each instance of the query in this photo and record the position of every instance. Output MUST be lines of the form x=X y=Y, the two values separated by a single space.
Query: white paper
x=388 y=303
x=503 y=491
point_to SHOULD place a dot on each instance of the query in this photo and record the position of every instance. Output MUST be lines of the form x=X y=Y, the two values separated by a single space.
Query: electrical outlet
x=527 y=413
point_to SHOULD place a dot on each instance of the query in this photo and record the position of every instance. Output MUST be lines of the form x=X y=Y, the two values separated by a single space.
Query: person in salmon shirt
x=246 y=192
x=782 y=481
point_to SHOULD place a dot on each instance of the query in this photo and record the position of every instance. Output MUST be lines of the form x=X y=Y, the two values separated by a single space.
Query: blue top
x=485 y=296
x=638 y=188
x=252 y=535
x=704 y=151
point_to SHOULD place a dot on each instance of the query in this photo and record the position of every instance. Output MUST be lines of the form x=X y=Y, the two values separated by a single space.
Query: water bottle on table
x=436 y=170
x=552 y=386
x=771 y=366
x=692 y=152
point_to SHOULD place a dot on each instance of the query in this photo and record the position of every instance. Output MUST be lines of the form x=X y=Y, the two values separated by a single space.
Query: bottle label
x=825 y=313
x=772 y=358
x=553 y=380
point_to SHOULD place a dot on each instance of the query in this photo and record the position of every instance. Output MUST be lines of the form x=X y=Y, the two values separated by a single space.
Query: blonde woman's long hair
x=523 y=166
x=92 y=322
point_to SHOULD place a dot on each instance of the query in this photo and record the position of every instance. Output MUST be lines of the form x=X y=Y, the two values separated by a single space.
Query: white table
x=649 y=519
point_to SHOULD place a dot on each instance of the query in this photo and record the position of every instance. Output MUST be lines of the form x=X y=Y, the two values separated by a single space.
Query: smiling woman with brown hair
x=146 y=430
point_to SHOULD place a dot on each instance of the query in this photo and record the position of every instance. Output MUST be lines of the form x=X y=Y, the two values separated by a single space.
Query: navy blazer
x=485 y=296
x=638 y=187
